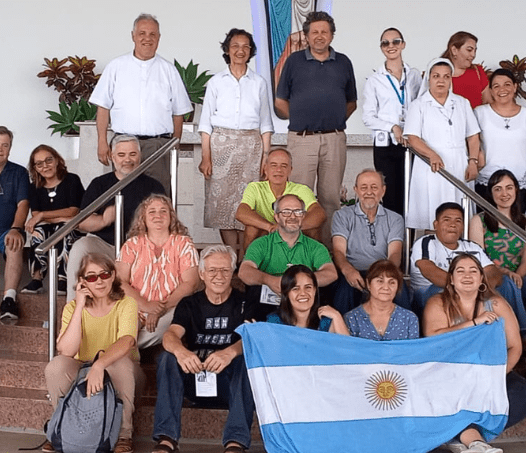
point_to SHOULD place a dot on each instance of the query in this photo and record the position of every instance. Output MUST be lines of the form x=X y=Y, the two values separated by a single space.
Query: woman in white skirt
x=441 y=126
x=236 y=126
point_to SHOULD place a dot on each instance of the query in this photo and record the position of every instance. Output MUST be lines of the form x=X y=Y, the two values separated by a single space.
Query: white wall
x=33 y=29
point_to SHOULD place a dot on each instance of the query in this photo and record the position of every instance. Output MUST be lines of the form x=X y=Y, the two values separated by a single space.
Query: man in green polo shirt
x=267 y=258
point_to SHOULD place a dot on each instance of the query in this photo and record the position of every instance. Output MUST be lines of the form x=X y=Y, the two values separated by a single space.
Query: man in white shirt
x=432 y=254
x=144 y=96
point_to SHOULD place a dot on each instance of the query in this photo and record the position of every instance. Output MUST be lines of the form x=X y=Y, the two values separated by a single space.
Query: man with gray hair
x=268 y=257
x=210 y=362
x=144 y=96
x=362 y=234
x=126 y=157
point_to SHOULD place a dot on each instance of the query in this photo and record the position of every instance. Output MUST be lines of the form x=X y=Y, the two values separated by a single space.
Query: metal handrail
x=471 y=194
x=49 y=244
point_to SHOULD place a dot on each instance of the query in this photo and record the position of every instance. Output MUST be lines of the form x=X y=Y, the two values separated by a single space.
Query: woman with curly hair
x=157 y=266
x=55 y=196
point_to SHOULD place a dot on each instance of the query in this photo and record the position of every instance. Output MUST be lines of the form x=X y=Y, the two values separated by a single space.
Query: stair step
x=26 y=372
x=36 y=306
x=24 y=337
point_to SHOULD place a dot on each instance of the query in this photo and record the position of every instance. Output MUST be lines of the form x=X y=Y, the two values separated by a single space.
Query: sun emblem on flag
x=386 y=390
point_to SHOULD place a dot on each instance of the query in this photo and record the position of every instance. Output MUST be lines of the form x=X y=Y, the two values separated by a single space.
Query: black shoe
x=9 y=308
x=62 y=288
x=34 y=287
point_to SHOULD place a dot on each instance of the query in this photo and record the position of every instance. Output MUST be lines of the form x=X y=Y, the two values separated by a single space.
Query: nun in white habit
x=441 y=126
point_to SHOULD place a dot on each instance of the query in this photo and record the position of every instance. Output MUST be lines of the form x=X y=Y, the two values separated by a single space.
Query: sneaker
x=8 y=308
x=34 y=287
x=48 y=447
x=123 y=446
x=455 y=446
x=478 y=446
x=62 y=288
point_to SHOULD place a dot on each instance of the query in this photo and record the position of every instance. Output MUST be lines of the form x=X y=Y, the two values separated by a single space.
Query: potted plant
x=74 y=79
x=195 y=84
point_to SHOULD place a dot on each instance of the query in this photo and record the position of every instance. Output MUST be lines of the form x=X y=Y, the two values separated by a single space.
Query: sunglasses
x=395 y=42
x=92 y=278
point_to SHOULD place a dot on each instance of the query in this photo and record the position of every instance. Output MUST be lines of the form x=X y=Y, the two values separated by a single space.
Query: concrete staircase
x=23 y=394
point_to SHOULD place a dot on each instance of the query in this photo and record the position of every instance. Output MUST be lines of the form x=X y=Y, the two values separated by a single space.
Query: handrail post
x=174 y=163
x=407 y=177
x=119 y=223
x=53 y=274
x=466 y=205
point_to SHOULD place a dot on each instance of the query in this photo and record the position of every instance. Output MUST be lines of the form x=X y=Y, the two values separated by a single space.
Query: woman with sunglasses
x=157 y=266
x=101 y=320
x=300 y=303
x=387 y=95
x=55 y=196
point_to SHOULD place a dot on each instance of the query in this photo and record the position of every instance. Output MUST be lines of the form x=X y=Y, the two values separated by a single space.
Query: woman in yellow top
x=101 y=318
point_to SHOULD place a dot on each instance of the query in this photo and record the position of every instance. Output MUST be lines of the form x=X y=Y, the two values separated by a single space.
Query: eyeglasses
x=47 y=161
x=92 y=278
x=395 y=42
x=236 y=47
x=224 y=271
x=372 y=233
x=289 y=212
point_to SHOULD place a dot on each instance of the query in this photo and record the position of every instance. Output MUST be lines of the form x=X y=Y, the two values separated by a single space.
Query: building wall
x=32 y=29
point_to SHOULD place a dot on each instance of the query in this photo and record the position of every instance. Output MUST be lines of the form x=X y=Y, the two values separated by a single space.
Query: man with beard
x=362 y=234
x=126 y=157
x=268 y=257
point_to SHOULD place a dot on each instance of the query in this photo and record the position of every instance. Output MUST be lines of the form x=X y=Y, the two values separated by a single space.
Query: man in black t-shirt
x=206 y=322
x=126 y=157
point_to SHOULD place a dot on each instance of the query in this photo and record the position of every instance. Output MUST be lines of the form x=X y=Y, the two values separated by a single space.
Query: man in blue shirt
x=317 y=91
x=14 y=206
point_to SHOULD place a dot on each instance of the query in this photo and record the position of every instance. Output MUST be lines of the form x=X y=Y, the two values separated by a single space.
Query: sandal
x=234 y=449
x=162 y=448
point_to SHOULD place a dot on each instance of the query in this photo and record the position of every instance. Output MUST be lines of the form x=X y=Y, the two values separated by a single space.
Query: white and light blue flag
x=323 y=392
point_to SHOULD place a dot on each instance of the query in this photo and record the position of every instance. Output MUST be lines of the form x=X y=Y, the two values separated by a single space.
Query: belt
x=303 y=133
x=147 y=137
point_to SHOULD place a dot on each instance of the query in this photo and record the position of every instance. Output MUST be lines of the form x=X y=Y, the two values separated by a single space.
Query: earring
x=485 y=288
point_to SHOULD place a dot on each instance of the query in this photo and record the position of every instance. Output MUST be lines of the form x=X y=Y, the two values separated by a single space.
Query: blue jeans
x=172 y=383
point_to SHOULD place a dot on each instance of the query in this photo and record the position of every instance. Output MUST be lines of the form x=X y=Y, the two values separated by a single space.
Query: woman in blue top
x=379 y=318
x=300 y=303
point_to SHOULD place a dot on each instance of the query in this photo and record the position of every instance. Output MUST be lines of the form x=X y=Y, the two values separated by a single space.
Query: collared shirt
x=352 y=223
x=236 y=104
x=142 y=96
x=271 y=254
x=317 y=91
x=382 y=108
x=14 y=182
x=430 y=248
x=259 y=197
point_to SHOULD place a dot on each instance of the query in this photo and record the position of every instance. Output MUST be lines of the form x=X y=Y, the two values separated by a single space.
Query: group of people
x=149 y=294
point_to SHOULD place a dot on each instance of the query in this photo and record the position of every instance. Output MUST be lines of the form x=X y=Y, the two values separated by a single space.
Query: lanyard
x=401 y=98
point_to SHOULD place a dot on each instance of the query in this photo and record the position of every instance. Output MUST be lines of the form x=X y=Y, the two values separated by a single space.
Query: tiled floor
x=10 y=442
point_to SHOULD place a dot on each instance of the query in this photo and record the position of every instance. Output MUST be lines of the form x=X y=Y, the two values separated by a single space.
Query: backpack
x=82 y=425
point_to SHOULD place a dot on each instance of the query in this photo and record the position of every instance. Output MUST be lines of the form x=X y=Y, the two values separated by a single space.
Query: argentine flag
x=317 y=391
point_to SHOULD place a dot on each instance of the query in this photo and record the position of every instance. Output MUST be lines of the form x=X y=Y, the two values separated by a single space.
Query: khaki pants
x=126 y=375
x=322 y=157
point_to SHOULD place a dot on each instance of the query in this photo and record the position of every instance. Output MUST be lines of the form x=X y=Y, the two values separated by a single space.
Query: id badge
x=381 y=138
x=205 y=384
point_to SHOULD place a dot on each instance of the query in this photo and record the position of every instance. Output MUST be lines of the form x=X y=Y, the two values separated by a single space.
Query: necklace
x=507 y=121
x=52 y=193
x=448 y=118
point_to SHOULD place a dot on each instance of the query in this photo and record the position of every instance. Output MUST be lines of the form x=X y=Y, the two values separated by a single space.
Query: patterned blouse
x=403 y=325
x=156 y=277
x=503 y=247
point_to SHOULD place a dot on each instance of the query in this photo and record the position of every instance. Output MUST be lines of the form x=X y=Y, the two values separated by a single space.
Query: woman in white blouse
x=235 y=126
x=387 y=95
x=441 y=126
x=503 y=132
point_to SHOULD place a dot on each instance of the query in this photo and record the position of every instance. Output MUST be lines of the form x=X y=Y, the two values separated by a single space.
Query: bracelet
x=474 y=323
x=17 y=229
x=475 y=159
